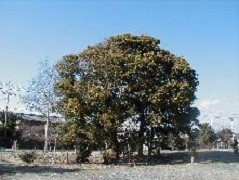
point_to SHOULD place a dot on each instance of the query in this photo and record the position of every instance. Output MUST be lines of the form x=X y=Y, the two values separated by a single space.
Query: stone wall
x=48 y=158
x=57 y=158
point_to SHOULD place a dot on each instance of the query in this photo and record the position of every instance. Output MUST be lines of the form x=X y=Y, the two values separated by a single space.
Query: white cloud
x=207 y=103
x=217 y=111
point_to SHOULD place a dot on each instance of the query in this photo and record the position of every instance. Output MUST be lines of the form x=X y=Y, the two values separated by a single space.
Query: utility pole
x=6 y=110
x=231 y=124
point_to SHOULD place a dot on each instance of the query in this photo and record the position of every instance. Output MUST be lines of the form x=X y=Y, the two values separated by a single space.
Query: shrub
x=235 y=146
x=2 y=148
x=28 y=157
x=109 y=156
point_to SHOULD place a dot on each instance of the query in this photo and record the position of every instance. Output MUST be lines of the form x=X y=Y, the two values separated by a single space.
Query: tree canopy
x=10 y=129
x=128 y=80
x=207 y=135
x=226 y=136
x=40 y=95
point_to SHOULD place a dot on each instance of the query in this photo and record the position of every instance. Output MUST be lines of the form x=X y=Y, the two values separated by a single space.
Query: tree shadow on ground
x=13 y=169
x=165 y=158
x=218 y=156
x=212 y=156
x=170 y=158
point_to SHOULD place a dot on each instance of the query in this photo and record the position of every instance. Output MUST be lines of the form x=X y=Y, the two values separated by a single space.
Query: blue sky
x=205 y=32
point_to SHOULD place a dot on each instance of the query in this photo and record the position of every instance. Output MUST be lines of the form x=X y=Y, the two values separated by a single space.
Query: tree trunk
x=46 y=137
x=149 y=150
x=150 y=145
x=142 y=131
x=46 y=130
x=141 y=142
x=117 y=147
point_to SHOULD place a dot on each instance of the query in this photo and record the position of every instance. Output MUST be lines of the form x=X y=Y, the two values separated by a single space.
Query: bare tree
x=40 y=95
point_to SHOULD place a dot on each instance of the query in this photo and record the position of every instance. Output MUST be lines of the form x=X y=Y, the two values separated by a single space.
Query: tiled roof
x=33 y=117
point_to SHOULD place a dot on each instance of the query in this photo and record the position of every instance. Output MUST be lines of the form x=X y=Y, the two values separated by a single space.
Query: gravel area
x=211 y=165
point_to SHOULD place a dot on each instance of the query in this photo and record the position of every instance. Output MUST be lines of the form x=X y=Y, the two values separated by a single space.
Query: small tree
x=28 y=157
x=40 y=94
x=226 y=136
x=10 y=130
x=207 y=135
x=235 y=145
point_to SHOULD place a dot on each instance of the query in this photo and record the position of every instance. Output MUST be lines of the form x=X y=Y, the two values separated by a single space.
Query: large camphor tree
x=125 y=80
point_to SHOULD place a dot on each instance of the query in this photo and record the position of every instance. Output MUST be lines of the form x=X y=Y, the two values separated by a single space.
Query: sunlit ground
x=172 y=165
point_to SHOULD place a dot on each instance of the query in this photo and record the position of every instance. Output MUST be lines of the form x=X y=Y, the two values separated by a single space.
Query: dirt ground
x=172 y=165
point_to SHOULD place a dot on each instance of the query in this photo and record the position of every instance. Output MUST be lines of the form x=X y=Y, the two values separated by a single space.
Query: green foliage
x=109 y=156
x=235 y=146
x=207 y=136
x=83 y=152
x=28 y=157
x=226 y=136
x=71 y=136
x=66 y=137
x=178 y=143
x=11 y=131
x=127 y=78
